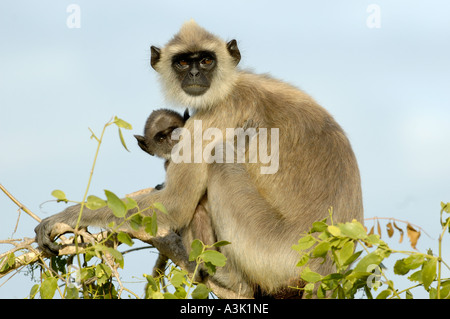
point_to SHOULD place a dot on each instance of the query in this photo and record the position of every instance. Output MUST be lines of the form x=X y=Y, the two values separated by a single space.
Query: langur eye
x=206 y=61
x=160 y=138
x=183 y=63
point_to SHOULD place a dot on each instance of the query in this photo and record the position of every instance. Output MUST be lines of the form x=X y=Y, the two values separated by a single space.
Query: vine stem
x=438 y=288
x=198 y=261
x=99 y=141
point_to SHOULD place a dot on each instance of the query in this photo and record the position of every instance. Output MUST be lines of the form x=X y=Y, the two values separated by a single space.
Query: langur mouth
x=195 y=89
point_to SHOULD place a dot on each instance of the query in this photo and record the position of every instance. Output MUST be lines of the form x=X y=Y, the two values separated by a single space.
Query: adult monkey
x=262 y=215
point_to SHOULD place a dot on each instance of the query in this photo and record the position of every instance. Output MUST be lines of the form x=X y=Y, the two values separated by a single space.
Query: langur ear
x=156 y=55
x=233 y=49
x=141 y=142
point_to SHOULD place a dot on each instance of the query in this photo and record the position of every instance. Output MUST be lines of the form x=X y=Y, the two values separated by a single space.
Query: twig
x=22 y=207
x=17 y=222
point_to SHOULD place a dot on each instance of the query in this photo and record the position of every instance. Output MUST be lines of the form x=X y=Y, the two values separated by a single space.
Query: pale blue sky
x=388 y=87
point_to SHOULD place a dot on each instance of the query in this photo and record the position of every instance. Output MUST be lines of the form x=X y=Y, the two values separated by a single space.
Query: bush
x=337 y=243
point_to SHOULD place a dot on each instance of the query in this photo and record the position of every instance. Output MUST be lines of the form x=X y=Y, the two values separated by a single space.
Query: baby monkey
x=157 y=141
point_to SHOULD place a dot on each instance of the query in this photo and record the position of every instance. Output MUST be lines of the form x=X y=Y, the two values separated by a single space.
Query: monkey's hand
x=54 y=226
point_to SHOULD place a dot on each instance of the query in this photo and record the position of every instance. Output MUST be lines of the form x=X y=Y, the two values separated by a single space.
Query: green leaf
x=353 y=230
x=7 y=262
x=403 y=266
x=310 y=276
x=352 y=258
x=445 y=290
x=321 y=292
x=11 y=260
x=116 y=204
x=334 y=230
x=196 y=249
x=324 y=235
x=304 y=243
x=200 y=292
x=445 y=207
x=34 y=290
x=180 y=293
x=103 y=273
x=168 y=295
x=429 y=272
x=118 y=257
x=130 y=203
x=433 y=293
x=345 y=253
x=340 y=292
x=210 y=268
x=384 y=294
x=400 y=267
x=89 y=254
x=72 y=293
x=4 y=265
x=321 y=249
x=416 y=276
x=160 y=207
x=152 y=285
x=318 y=227
x=150 y=224
x=177 y=279
x=334 y=276
x=309 y=288
x=157 y=295
x=408 y=295
x=374 y=258
x=214 y=257
x=136 y=221
x=303 y=260
x=367 y=291
x=48 y=287
x=125 y=238
x=59 y=194
x=221 y=243
x=373 y=239
x=122 y=140
x=123 y=124
x=94 y=202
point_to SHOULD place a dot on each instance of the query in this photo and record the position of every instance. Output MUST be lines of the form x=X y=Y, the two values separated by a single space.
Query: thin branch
x=21 y=206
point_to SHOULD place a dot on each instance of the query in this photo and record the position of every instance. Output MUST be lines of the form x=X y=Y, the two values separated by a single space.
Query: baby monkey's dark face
x=157 y=139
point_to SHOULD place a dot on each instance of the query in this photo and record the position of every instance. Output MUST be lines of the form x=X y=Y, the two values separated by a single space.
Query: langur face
x=196 y=68
x=194 y=71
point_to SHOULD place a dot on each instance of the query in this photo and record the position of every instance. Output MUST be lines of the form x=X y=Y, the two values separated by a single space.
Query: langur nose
x=194 y=72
